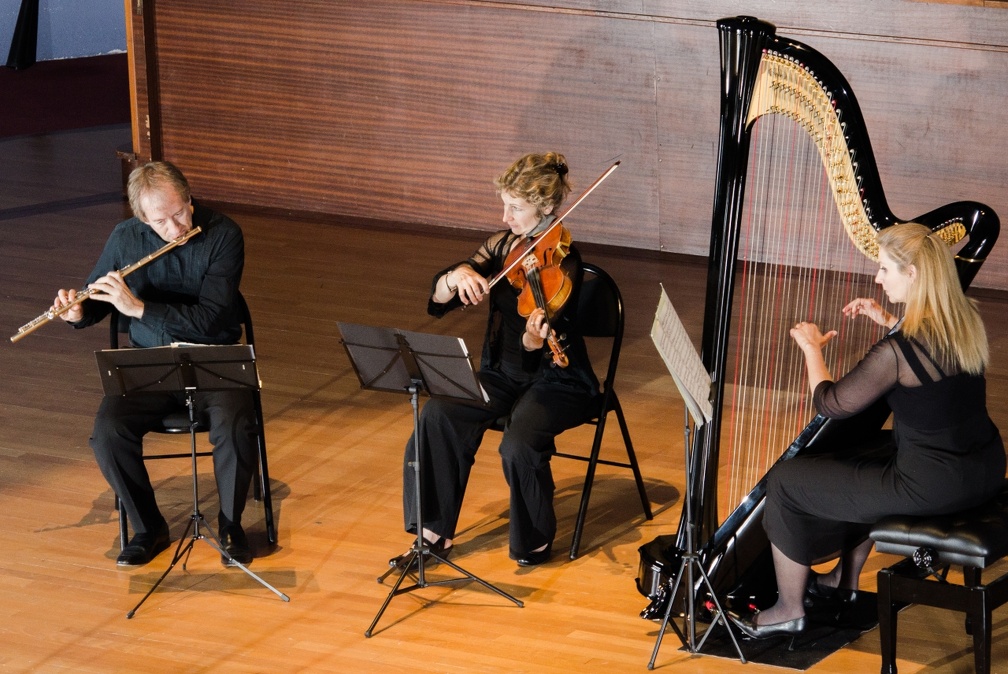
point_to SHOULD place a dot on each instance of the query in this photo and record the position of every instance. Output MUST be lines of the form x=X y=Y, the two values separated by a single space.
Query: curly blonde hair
x=540 y=179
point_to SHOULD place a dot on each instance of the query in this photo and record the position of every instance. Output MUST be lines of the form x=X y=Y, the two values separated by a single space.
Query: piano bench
x=973 y=539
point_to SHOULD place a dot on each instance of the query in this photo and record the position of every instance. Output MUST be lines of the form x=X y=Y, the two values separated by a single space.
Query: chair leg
x=123 y=524
x=263 y=482
x=632 y=456
x=593 y=465
x=887 y=621
x=587 y=488
x=263 y=478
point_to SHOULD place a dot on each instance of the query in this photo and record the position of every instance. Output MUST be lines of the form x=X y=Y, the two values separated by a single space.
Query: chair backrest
x=600 y=313
x=119 y=324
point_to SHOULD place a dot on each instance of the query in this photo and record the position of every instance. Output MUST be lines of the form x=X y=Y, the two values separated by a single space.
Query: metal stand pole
x=421 y=551
x=185 y=546
x=691 y=561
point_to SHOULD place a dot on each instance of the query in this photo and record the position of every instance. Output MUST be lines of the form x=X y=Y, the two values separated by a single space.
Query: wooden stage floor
x=335 y=457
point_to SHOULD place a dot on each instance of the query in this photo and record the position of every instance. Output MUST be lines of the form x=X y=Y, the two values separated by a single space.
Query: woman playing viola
x=536 y=399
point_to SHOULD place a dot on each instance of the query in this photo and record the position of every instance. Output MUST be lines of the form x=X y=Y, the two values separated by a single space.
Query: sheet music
x=682 y=360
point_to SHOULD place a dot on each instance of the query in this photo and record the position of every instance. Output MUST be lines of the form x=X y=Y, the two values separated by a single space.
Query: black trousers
x=117 y=441
x=451 y=433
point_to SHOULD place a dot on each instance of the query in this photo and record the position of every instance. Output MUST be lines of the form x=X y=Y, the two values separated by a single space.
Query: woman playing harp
x=798 y=208
x=944 y=455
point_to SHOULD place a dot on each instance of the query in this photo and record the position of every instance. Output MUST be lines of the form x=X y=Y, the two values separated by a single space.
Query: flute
x=53 y=313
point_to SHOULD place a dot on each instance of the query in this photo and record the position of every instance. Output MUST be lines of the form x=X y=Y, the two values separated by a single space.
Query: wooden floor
x=335 y=456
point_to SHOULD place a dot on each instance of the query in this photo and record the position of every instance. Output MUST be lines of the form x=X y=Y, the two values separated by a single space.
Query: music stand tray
x=388 y=359
x=187 y=369
x=400 y=361
x=177 y=368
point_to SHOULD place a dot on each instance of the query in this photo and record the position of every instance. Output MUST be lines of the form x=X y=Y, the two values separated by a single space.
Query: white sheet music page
x=682 y=360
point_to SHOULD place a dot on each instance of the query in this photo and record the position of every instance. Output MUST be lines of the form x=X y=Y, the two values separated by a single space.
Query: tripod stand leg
x=420 y=557
x=185 y=548
x=406 y=562
x=482 y=582
x=668 y=612
x=179 y=551
x=719 y=616
x=691 y=560
x=393 y=592
x=215 y=543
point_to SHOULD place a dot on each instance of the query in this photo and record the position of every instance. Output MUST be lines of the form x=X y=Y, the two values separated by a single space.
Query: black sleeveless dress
x=944 y=454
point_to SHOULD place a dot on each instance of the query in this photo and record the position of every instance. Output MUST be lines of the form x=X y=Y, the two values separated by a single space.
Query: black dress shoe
x=438 y=548
x=534 y=558
x=235 y=544
x=819 y=596
x=144 y=547
x=749 y=628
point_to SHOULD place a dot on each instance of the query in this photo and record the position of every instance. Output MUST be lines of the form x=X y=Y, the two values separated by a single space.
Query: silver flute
x=52 y=313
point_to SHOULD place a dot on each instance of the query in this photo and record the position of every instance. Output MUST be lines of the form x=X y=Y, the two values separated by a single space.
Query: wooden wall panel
x=139 y=106
x=405 y=111
x=333 y=110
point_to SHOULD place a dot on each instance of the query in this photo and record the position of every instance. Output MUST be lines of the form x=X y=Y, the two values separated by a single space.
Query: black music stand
x=399 y=361
x=186 y=369
x=694 y=384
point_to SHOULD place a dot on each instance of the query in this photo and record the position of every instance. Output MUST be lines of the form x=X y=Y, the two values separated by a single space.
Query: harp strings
x=789 y=270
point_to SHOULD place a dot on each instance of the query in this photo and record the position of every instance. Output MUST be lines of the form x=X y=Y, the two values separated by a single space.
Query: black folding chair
x=178 y=422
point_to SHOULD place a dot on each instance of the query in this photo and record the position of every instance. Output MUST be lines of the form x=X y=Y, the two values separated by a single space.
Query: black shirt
x=188 y=293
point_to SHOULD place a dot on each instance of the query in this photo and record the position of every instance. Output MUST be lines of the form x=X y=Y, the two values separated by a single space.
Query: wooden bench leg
x=887 y=621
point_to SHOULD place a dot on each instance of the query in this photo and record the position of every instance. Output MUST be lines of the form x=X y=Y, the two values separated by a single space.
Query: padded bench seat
x=973 y=539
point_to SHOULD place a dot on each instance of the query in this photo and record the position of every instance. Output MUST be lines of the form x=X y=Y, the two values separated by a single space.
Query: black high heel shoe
x=437 y=547
x=748 y=627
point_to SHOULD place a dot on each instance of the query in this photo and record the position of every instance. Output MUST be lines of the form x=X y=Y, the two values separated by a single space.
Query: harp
x=797 y=208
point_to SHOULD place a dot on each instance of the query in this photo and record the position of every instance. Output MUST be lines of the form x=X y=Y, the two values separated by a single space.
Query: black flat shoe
x=534 y=558
x=144 y=547
x=235 y=543
x=818 y=595
x=437 y=548
x=749 y=628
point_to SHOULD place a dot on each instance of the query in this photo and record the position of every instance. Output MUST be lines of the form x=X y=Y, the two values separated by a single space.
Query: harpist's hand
x=808 y=336
x=812 y=341
x=864 y=306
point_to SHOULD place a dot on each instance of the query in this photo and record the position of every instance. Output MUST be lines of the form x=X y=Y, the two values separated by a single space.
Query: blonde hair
x=153 y=176
x=936 y=308
x=540 y=179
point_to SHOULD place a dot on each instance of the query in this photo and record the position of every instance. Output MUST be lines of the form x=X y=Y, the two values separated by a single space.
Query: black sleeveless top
x=948 y=449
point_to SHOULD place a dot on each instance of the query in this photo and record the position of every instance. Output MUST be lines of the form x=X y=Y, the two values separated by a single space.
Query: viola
x=536 y=274
x=549 y=287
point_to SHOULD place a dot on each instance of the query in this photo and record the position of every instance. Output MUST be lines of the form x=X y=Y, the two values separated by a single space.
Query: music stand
x=693 y=383
x=399 y=361
x=189 y=370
